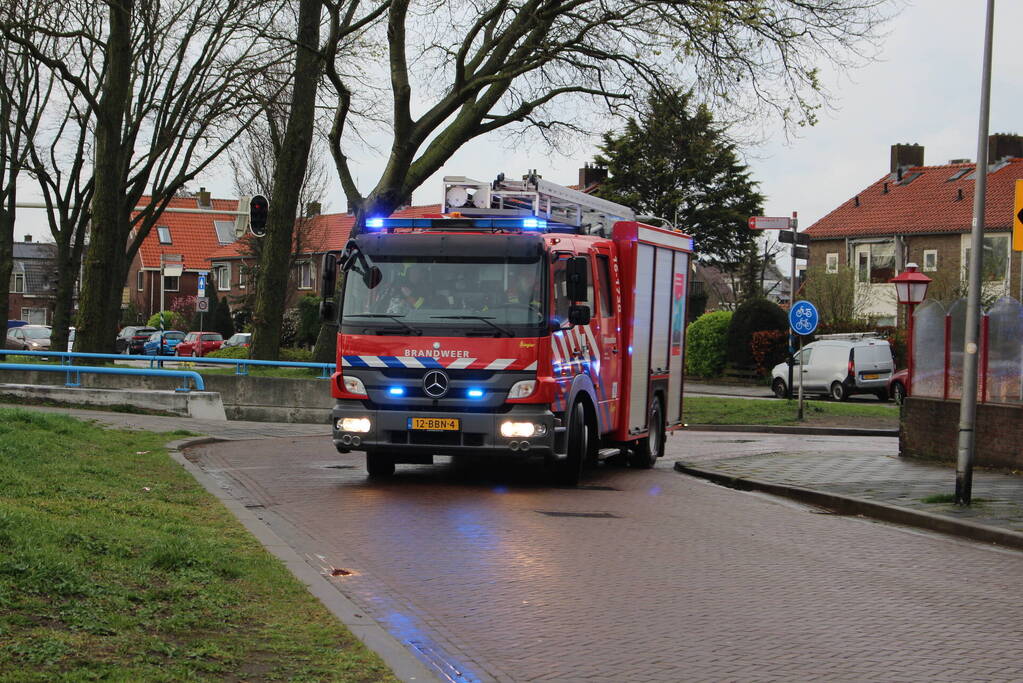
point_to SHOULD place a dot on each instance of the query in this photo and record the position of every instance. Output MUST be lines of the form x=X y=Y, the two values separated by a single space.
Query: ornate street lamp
x=910 y=288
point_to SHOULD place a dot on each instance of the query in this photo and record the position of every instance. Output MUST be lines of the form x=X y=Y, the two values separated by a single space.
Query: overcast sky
x=924 y=89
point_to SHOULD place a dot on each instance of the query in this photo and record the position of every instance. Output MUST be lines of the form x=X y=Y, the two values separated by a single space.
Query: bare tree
x=173 y=95
x=23 y=97
x=460 y=70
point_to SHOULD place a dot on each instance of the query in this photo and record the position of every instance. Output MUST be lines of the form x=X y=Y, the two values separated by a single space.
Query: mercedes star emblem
x=435 y=383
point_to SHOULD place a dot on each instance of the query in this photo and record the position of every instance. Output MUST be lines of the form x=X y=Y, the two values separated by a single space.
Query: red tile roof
x=324 y=232
x=928 y=203
x=192 y=234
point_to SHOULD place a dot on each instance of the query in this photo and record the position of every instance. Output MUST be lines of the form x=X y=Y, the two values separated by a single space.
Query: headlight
x=354 y=385
x=522 y=389
x=519 y=429
x=353 y=424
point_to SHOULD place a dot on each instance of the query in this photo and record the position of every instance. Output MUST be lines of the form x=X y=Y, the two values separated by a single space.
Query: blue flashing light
x=534 y=224
x=374 y=223
x=396 y=391
x=475 y=393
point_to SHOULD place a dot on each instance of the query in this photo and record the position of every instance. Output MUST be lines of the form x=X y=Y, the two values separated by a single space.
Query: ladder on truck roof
x=533 y=196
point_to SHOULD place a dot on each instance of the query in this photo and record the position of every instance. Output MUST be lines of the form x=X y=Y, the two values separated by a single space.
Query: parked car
x=28 y=338
x=242 y=339
x=199 y=343
x=131 y=339
x=897 y=386
x=162 y=343
x=840 y=366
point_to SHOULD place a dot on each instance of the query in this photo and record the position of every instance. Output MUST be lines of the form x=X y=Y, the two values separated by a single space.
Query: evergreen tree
x=676 y=164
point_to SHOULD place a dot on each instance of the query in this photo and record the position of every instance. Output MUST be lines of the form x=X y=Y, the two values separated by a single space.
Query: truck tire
x=651 y=447
x=379 y=465
x=779 y=388
x=567 y=472
x=838 y=391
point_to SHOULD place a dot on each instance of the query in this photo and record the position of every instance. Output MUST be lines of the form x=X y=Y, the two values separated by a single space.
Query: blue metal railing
x=241 y=365
x=74 y=372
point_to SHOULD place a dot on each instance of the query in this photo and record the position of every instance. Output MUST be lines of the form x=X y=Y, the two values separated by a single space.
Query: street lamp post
x=910 y=288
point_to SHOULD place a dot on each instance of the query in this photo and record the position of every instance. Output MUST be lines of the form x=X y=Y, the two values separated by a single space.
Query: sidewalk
x=879 y=485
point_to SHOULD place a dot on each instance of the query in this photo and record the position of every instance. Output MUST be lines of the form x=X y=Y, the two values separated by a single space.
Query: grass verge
x=116 y=565
x=739 y=411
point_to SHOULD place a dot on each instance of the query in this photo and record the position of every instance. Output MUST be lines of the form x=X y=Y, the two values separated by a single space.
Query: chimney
x=906 y=155
x=1002 y=145
x=312 y=209
x=591 y=175
x=205 y=202
x=28 y=238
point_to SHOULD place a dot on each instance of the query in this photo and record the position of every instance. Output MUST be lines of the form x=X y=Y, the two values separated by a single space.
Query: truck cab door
x=605 y=334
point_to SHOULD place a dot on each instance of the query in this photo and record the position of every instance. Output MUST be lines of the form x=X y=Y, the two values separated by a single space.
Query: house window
x=930 y=260
x=222 y=271
x=140 y=281
x=305 y=275
x=34 y=316
x=832 y=262
x=170 y=283
x=996 y=258
x=164 y=233
x=18 y=286
x=875 y=263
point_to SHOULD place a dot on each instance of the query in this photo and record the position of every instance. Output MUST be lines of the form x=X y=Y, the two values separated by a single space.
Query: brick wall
x=929 y=429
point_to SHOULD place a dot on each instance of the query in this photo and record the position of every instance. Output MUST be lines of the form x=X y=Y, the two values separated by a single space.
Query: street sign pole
x=803 y=320
x=793 y=224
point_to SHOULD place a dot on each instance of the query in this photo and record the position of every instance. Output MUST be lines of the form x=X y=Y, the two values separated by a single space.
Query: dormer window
x=164 y=234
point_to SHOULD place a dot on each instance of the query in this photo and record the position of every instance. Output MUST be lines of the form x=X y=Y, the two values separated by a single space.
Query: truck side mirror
x=372 y=277
x=328 y=276
x=576 y=272
x=579 y=314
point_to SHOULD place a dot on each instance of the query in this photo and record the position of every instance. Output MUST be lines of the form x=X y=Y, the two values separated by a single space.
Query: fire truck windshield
x=446 y=295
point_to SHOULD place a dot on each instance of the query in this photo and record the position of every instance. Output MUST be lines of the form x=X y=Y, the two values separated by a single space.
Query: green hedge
x=172 y=320
x=229 y=352
x=705 y=344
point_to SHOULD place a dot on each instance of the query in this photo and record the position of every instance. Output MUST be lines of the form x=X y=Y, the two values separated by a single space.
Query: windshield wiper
x=487 y=319
x=395 y=318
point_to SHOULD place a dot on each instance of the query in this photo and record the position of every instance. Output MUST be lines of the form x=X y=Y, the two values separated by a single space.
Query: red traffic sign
x=769 y=223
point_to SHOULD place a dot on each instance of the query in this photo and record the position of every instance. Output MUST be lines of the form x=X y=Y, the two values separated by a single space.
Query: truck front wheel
x=379 y=465
x=568 y=471
x=648 y=449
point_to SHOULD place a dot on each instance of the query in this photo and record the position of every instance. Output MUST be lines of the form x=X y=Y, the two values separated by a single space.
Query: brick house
x=31 y=298
x=233 y=264
x=923 y=214
x=188 y=231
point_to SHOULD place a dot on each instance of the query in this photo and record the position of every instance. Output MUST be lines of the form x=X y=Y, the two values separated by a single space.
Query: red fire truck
x=527 y=319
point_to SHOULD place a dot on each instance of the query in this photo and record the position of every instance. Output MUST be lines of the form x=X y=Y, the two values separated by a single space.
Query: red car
x=199 y=344
x=897 y=386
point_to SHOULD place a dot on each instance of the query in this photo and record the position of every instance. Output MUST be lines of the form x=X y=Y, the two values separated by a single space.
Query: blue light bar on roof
x=529 y=223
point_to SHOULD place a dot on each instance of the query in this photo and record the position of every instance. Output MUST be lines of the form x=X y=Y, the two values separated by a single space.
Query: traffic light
x=259 y=207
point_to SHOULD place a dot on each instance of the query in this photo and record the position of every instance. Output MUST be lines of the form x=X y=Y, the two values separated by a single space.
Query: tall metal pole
x=968 y=403
x=793 y=224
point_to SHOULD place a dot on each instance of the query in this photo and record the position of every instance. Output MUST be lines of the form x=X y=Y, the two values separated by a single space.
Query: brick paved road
x=651 y=575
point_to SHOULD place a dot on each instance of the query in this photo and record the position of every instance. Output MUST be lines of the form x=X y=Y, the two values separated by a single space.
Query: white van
x=839 y=365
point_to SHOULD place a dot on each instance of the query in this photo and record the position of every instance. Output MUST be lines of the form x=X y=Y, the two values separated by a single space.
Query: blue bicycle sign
x=803 y=318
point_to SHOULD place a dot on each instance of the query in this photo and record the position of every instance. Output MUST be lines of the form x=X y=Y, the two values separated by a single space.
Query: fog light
x=510 y=429
x=353 y=424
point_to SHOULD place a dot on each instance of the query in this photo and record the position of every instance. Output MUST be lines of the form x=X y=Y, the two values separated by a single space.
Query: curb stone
x=850 y=505
x=403 y=664
x=794 y=429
